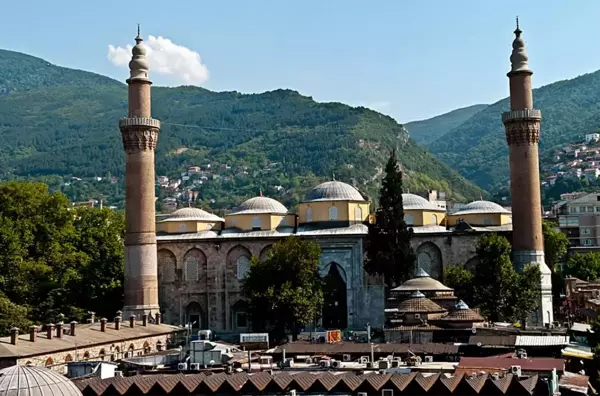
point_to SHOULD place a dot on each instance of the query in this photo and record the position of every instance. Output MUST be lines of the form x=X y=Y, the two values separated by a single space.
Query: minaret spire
x=519 y=58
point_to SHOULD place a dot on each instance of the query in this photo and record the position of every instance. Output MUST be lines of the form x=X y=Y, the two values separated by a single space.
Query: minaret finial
x=260 y=194
x=138 y=67
x=333 y=176
x=519 y=58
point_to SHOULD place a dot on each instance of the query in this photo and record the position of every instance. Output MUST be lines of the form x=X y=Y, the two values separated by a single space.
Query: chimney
x=59 y=330
x=32 y=333
x=14 y=335
x=49 y=330
x=132 y=321
x=73 y=325
x=120 y=314
x=145 y=320
x=117 y=322
x=158 y=318
x=103 y=324
x=93 y=316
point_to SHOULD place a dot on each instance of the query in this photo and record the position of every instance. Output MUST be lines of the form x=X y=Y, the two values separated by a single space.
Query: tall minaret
x=140 y=135
x=522 y=124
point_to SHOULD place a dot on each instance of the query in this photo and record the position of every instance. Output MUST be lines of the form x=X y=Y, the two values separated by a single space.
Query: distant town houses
x=576 y=160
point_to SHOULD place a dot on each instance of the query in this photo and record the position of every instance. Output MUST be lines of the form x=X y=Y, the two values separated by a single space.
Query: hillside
x=477 y=148
x=279 y=141
x=426 y=131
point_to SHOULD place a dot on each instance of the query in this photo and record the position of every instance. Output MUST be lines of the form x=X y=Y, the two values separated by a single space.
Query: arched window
x=409 y=219
x=159 y=345
x=308 y=215
x=434 y=219
x=147 y=348
x=49 y=362
x=233 y=222
x=333 y=213
x=101 y=354
x=256 y=223
x=86 y=355
x=283 y=222
x=191 y=269
x=68 y=358
x=182 y=228
x=243 y=267
x=358 y=216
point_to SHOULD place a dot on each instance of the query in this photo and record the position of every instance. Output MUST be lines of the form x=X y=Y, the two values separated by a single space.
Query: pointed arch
x=264 y=253
x=335 y=308
x=429 y=258
x=68 y=358
x=167 y=263
x=86 y=355
x=194 y=266
x=101 y=354
x=49 y=362
x=238 y=263
x=147 y=347
x=194 y=315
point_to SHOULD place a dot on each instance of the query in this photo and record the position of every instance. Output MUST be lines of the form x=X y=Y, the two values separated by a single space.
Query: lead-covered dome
x=481 y=207
x=192 y=214
x=422 y=282
x=35 y=381
x=415 y=202
x=261 y=205
x=334 y=191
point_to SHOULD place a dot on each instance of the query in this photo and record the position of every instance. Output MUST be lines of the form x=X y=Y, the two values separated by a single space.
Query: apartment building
x=579 y=219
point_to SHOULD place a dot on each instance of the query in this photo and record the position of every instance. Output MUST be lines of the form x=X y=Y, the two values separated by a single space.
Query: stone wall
x=108 y=352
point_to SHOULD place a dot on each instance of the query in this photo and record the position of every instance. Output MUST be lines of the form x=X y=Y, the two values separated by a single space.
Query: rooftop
x=480 y=207
x=334 y=191
x=302 y=347
x=422 y=282
x=261 y=205
x=416 y=202
x=35 y=381
x=191 y=214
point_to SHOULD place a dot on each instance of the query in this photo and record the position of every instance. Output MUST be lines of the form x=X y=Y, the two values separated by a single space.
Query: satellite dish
x=479 y=344
x=474 y=330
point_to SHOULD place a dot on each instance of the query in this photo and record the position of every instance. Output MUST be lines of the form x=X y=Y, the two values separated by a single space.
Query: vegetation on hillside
x=478 y=150
x=63 y=122
x=426 y=131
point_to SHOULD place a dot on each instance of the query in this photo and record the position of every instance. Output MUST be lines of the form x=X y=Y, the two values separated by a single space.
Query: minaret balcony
x=139 y=122
x=522 y=115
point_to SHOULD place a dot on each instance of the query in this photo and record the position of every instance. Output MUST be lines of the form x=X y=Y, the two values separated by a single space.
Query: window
x=358 y=216
x=582 y=209
x=283 y=221
x=572 y=209
x=49 y=362
x=434 y=219
x=333 y=213
x=409 y=219
x=256 y=223
x=587 y=242
x=233 y=222
x=590 y=209
x=243 y=267
x=191 y=269
x=586 y=231
x=597 y=208
x=182 y=228
x=241 y=319
x=308 y=215
x=487 y=221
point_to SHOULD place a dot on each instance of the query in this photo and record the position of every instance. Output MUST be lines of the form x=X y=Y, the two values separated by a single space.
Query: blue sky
x=409 y=59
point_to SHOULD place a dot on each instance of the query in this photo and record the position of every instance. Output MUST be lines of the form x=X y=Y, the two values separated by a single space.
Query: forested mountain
x=426 y=131
x=477 y=148
x=60 y=121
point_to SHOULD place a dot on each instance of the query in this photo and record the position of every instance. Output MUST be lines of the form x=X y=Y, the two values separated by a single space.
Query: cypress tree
x=388 y=243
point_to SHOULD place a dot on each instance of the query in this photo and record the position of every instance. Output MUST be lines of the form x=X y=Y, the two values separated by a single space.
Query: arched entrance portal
x=193 y=315
x=335 y=308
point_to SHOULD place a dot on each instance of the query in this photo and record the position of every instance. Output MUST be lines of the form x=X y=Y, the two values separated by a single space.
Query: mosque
x=202 y=258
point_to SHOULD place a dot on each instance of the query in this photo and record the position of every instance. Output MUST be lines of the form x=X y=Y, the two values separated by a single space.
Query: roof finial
x=518 y=30
x=333 y=175
x=519 y=58
x=260 y=194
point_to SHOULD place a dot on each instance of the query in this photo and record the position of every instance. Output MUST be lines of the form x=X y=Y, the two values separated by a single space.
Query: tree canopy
x=584 y=266
x=388 y=242
x=55 y=259
x=285 y=291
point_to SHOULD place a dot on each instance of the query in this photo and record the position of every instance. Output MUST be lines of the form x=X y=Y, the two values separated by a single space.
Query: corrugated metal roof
x=504 y=363
x=301 y=348
x=556 y=340
x=313 y=382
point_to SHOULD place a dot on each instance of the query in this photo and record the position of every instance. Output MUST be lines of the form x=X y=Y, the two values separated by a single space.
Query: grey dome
x=415 y=202
x=481 y=207
x=334 y=191
x=192 y=214
x=261 y=205
x=35 y=381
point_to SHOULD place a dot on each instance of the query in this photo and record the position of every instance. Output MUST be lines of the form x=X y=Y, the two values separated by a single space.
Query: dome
x=421 y=282
x=481 y=207
x=419 y=304
x=261 y=205
x=334 y=191
x=415 y=202
x=462 y=313
x=192 y=214
x=38 y=381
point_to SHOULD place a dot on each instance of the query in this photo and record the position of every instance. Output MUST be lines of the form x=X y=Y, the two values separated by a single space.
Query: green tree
x=526 y=293
x=584 y=266
x=12 y=315
x=555 y=245
x=494 y=277
x=388 y=243
x=461 y=280
x=285 y=291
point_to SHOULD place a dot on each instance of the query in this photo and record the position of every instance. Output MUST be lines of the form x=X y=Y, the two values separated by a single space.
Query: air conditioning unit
x=516 y=370
x=195 y=366
x=325 y=363
x=182 y=366
x=387 y=392
x=336 y=364
x=316 y=359
x=396 y=363
x=496 y=376
x=293 y=392
x=384 y=364
x=428 y=359
x=364 y=360
x=118 y=373
x=346 y=357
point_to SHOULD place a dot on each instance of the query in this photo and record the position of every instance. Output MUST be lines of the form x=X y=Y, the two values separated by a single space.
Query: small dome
x=192 y=214
x=481 y=207
x=415 y=202
x=421 y=282
x=35 y=381
x=419 y=304
x=334 y=191
x=261 y=205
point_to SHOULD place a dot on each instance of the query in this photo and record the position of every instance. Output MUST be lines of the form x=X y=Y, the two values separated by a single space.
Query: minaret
x=522 y=124
x=140 y=135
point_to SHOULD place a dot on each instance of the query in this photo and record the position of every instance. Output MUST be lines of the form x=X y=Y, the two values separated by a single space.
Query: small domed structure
x=261 y=205
x=35 y=381
x=334 y=191
x=422 y=282
x=192 y=214
x=416 y=202
x=481 y=213
x=482 y=207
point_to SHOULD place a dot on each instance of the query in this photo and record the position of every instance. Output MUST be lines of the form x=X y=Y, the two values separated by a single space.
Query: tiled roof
x=86 y=335
x=301 y=348
x=313 y=382
x=466 y=315
x=419 y=305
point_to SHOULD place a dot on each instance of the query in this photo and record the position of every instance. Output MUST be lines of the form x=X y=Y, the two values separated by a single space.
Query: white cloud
x=166 y=58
